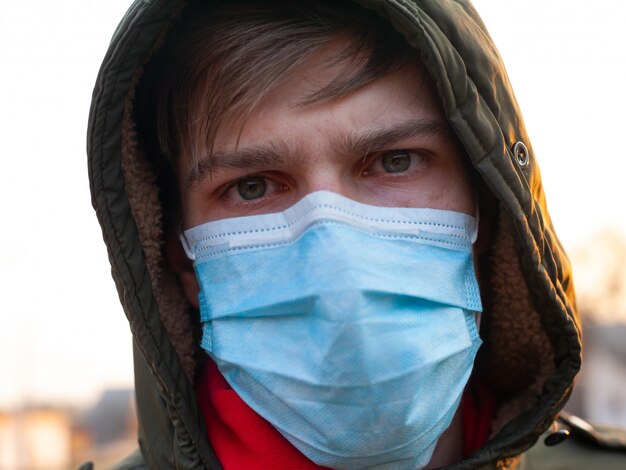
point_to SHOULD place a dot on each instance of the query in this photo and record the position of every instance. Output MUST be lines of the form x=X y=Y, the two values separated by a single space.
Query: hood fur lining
x=178 y=318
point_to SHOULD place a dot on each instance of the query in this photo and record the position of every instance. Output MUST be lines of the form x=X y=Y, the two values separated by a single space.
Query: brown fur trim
x=176 y=314
x=517 y=357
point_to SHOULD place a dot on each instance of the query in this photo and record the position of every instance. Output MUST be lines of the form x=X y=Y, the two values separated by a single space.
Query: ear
x=183 y=267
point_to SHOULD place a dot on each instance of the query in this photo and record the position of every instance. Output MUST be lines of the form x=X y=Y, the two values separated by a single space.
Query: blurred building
x=600 y=276
x=111 y=426
x=58 y=438
x=600 y=392
x=36 y=439
x=112 y=417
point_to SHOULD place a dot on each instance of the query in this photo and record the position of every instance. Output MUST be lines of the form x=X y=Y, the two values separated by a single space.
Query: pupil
x=251 y=188
x=396 y=162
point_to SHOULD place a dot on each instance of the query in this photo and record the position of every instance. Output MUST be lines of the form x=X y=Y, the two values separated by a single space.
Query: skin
x=333 y=145
x=286 y=150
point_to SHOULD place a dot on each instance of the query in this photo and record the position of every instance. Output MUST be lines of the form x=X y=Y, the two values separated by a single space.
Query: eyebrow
x=275 y=152
x=266 y=155
x=380 y=138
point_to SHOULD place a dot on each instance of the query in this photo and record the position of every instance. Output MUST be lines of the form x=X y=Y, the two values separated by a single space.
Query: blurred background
x=65 y=347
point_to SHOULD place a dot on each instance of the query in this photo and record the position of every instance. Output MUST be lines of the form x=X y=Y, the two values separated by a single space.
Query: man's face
x=386 y=144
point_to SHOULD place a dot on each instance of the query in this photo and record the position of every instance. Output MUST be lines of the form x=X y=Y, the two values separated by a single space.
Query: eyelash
x=232 y=186
x=364 y=170
x=376 y=158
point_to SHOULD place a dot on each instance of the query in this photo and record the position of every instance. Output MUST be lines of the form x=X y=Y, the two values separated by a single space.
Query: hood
x=531 y=332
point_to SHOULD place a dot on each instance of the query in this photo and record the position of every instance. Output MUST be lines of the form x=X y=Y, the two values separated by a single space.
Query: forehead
x=405 y=93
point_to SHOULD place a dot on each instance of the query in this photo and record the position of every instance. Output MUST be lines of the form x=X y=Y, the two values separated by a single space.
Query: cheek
x=447 y=188
x=457 y=191
x=459 y=194
x=197 y=204
x=191 y=288
x=191 y=212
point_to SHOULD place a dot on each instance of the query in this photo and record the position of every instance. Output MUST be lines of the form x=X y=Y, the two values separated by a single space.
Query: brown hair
x=220 y=58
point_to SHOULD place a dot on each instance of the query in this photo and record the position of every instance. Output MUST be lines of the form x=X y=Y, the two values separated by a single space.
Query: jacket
x=531 y=332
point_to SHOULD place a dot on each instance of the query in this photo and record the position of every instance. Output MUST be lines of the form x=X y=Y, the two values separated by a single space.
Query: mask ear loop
x=188 y=251
x=477 y=315
x=474 y=234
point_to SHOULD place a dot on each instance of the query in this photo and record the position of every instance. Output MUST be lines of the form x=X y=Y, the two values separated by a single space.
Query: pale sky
x=63 y=334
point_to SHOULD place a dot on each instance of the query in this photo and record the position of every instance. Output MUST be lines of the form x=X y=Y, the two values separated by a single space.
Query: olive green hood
x=531 y=332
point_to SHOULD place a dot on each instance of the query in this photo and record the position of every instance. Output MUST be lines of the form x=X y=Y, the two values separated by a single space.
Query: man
x=311 y=210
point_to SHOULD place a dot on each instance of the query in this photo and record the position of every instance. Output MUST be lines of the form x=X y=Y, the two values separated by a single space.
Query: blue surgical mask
x=350 y=328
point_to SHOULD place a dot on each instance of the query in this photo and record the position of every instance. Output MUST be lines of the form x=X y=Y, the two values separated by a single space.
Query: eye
x=251 y=187
x=255 y=188
x=396 y=161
